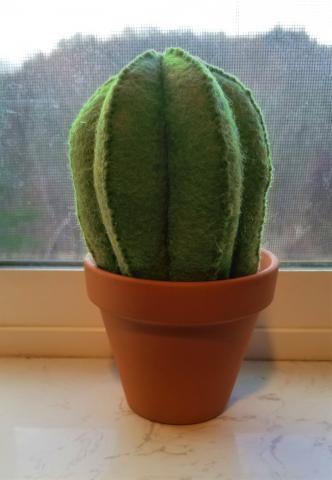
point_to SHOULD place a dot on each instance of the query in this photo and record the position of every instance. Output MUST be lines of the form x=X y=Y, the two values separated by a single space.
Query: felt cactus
x=171 y=168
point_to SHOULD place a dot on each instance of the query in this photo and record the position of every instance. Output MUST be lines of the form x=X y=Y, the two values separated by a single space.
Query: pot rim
x=273 y=265
x=182 y=303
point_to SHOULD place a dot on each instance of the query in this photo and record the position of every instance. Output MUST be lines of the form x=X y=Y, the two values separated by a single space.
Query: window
x=54 y=54
x=56 y=57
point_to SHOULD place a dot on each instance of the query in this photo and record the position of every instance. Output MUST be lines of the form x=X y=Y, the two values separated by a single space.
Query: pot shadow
x=257 y=369
x=114 y=369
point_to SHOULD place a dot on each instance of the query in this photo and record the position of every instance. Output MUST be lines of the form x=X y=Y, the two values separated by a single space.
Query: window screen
x=53 y=55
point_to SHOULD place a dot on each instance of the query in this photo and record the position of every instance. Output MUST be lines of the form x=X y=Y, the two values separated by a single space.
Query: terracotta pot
x=179 y=345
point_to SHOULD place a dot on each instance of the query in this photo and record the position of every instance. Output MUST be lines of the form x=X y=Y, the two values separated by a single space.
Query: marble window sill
x=68 y=419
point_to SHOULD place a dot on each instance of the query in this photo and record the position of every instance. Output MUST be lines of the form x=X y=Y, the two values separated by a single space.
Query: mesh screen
x=289 y=72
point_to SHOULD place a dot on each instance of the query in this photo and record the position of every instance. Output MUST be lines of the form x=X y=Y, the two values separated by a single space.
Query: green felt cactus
x=171 y=168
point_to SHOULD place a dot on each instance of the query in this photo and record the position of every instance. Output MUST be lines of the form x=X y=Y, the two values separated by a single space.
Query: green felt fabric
x=204 y=171
x=257 y=172
x=171 y=167
x=131 y=169
x=81 y=152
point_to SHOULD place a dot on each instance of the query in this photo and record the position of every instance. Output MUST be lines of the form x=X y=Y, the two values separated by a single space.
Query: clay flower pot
x=179 y=345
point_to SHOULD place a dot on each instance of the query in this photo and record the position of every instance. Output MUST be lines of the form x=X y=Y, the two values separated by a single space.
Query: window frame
x=46 y=312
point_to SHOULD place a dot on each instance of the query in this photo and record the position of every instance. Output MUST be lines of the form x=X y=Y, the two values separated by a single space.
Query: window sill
x=68 y=418
x=46 y=312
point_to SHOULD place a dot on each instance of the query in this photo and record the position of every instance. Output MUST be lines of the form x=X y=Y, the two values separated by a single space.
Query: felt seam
x=105 y=193
x=108 y=110
x=258 y=111
x=248 y=93
x=166 y=147
x=99 y=246
x=208 y=81
x=234 y=79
